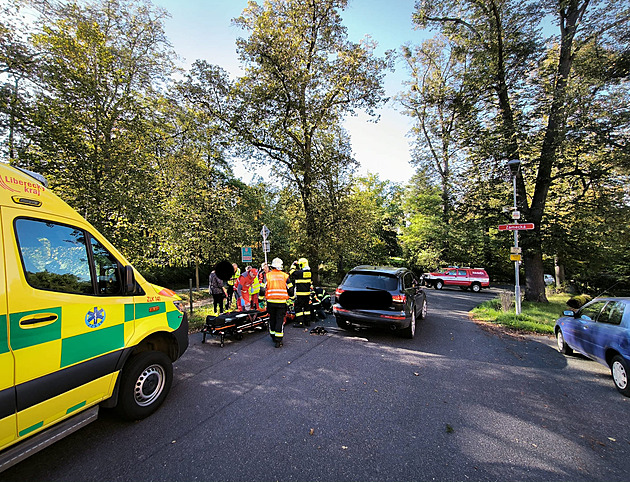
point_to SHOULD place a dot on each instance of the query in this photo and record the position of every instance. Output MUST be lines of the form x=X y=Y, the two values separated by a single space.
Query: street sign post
x=516 y=227
x=246 y=254
x=264 y=232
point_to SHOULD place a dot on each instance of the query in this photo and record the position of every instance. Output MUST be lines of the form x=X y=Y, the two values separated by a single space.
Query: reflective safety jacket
x=254 y=289
x=279 y=287
x=234 y=279
x=302 y=281
x=318 y=295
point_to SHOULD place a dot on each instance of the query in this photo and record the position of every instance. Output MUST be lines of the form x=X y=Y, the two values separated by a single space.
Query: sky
x=202 y=29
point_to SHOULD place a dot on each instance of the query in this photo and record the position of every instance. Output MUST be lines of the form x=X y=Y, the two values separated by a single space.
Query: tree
x=508 y=68
x=101 y=63
x=438 y=101
x=302 y=76
x=18 y=63
x=424 y=236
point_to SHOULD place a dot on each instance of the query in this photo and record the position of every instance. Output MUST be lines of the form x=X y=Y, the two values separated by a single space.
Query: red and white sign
x=516 y=227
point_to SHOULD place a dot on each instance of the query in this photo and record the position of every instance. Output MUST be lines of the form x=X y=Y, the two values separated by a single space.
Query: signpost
x=266 y=245
x=515 y=251
x=246 y=254
x=516 y=227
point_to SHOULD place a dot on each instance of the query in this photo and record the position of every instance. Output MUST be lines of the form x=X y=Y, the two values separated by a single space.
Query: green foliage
x=87 y=99
x=97 y=67
x=578 y=301
x=302 y=76
x=478 y=92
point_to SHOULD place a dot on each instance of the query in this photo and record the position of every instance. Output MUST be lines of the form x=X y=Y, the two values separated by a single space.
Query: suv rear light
x=398 y=298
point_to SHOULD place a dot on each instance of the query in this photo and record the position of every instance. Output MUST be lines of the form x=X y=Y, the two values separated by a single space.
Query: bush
x=578 y=301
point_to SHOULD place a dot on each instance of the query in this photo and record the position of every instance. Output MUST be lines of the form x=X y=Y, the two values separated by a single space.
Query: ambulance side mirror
x=130 y=280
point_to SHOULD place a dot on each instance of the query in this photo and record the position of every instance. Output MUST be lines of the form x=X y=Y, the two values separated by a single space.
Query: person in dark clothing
x=301 y=277
x=231 y=288
x=319 y=301
x=218 y=292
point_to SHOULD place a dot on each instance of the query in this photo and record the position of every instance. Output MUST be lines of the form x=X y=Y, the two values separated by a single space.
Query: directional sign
x=516 y=227
x=265 y=232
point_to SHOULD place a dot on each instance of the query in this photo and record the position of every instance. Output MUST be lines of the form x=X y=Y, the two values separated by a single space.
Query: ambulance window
x=54 y=256
x=107 y=270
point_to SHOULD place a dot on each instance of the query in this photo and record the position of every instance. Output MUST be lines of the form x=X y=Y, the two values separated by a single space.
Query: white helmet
x=276 y=263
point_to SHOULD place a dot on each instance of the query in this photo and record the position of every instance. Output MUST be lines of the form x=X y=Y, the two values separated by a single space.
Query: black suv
x=380 y=296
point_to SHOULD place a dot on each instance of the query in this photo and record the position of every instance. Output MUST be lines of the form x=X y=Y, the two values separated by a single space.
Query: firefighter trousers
x=303 y=310
x=276 y=311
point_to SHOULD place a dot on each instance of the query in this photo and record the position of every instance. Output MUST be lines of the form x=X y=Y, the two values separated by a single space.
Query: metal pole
x=190 y=293
x=264 y=244
x=517 y=285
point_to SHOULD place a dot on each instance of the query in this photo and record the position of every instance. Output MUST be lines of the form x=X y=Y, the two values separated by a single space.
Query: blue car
x=600 y=330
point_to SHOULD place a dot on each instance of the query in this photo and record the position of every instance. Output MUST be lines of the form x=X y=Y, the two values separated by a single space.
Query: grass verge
x=534 y=317
x=202 y=307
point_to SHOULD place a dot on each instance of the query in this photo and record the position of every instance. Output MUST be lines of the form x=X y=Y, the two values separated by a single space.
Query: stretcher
x=234 y=323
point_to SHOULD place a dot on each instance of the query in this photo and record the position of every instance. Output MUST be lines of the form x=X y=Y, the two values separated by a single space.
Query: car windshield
x=375 y=281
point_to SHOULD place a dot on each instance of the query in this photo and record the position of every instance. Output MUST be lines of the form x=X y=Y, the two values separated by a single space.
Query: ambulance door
x=66 y=334
x=8 y=428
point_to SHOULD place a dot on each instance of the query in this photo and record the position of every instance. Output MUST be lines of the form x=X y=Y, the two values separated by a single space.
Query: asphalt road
x=456 y=403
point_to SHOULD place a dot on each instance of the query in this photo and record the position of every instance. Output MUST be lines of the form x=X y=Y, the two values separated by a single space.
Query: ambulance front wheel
x=144 y=384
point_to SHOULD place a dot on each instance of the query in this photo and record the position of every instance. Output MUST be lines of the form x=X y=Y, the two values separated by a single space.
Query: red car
x=473 y=278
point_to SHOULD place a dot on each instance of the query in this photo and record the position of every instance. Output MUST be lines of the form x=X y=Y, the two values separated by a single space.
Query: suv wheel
x=475 y=287
x=439 y=284
x=423 y=310
x=410 y=331
x=341 y=323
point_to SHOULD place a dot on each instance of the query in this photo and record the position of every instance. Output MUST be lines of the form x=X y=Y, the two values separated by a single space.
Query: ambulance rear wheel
x=144 y=384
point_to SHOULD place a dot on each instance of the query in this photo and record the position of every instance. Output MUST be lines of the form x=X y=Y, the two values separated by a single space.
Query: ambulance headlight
x=179 y=304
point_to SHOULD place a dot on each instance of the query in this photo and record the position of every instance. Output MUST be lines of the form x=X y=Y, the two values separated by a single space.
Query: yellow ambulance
x=79 y=327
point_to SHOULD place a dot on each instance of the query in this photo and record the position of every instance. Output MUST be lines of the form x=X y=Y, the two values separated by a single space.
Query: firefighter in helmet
x=301 y=276
x=278 y=290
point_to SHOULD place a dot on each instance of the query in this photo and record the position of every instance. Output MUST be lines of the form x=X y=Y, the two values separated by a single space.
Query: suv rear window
x=376 y=281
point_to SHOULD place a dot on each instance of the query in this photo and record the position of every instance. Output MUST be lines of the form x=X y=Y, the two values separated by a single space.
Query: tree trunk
x=559 y=271
x=534 y=281
x=197 y=273
x=554 y=135
x=313 y=249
